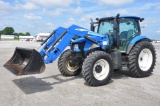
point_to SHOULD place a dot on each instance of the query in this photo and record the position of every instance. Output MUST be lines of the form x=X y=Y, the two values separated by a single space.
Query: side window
x=128 y=28
x=125 y=26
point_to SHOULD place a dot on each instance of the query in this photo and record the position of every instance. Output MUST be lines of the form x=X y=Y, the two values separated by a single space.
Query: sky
x=39 y=16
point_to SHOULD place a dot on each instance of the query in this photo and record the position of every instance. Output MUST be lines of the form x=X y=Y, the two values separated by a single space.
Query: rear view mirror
x=141 y=19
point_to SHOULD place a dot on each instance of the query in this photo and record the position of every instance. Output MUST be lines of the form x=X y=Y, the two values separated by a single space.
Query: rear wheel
x=67 y=66
x=142 y=59
x=97 y=68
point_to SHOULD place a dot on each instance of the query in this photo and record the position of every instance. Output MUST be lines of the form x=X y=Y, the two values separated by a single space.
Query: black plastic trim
x=92 y=40
x=47 y=38
x=52 y=47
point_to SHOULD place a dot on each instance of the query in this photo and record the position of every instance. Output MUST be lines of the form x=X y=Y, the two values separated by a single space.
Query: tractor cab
x=120 y=29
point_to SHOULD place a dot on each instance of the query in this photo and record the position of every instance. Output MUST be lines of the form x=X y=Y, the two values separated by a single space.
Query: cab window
x=105 y=27
x=128 y=28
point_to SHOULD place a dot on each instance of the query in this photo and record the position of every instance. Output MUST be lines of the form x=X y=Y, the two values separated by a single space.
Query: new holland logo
x=81 y=29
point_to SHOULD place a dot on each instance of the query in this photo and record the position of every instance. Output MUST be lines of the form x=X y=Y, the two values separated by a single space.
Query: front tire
x=142 y=59
x=97 y=68
x=65 y=67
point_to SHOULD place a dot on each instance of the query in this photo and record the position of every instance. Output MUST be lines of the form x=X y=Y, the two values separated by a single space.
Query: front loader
x=117 y=43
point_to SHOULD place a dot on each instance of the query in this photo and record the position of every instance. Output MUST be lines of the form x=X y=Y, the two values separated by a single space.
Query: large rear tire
x=65 y=64
x=142 y=59
x=97 y=68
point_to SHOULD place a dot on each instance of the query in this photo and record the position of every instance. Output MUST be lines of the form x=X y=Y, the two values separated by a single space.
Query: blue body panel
x=50 y=41
x=62 y=37
x=51 y=50
x=138 y=38
x=134 y=41
x=59 y=48
x=77 y=31
x=133 y=17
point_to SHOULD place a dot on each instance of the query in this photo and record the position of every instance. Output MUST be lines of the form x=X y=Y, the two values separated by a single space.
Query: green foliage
x=15 y=34
x=20 y=34
x=16 y=37
x=1 y=32
x=8 y=31
x=27 y=34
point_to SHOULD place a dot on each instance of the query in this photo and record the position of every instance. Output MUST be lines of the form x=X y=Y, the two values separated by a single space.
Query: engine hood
x=93 y=35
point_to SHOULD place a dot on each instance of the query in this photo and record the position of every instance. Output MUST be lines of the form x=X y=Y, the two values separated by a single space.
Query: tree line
x=10 y=31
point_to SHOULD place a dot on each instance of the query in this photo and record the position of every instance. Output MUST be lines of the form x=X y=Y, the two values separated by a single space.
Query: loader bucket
x=25 y=61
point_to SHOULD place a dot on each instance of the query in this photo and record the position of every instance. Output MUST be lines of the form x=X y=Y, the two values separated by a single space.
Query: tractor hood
x=98 y=41
x=94 y=37
x=101 y=41
x=89 y=37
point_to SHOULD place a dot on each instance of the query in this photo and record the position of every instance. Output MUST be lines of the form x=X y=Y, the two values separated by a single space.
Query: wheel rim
x=72 y=68
x=101 y=69
x=145 y=59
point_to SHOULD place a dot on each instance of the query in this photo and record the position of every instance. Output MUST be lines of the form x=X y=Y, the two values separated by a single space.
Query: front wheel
x=97 y=68
x=67 y=66
x=142 y=59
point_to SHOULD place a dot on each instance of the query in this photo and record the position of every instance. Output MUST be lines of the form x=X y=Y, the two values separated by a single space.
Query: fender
x=134 y=41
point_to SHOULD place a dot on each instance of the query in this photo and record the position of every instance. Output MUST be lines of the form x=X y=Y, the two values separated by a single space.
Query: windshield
x=105 y=27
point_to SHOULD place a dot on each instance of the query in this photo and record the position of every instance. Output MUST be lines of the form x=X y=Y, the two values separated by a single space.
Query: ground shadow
x=85 y=83
x=121 y=74
x=30 y=85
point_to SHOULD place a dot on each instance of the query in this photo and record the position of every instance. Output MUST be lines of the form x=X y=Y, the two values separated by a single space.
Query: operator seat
x=123 y=35
x=130 y=33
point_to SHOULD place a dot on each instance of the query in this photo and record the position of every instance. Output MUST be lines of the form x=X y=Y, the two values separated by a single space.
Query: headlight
x=105 y=42
x=75 y=47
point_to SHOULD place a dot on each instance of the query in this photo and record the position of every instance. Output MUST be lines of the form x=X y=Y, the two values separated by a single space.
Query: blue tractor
x=116 y=43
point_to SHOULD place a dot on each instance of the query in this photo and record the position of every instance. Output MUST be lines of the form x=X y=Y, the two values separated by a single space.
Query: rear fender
x=134 y=41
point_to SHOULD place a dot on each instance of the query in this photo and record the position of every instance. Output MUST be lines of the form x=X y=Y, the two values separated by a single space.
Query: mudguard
x=134 y=41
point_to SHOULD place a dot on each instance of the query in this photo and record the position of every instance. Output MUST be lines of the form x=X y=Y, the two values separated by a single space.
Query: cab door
x=128 y=29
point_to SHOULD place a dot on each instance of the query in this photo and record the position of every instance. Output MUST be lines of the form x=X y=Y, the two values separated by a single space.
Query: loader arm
x=30 y=61
x=58 y=42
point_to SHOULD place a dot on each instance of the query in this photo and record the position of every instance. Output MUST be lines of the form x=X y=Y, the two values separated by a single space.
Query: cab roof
x=109 y=18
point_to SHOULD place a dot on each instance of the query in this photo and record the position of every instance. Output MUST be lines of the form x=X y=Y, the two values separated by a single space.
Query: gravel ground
x=52 y=89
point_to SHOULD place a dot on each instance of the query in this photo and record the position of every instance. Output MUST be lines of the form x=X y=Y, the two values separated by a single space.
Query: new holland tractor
x=117 y=43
